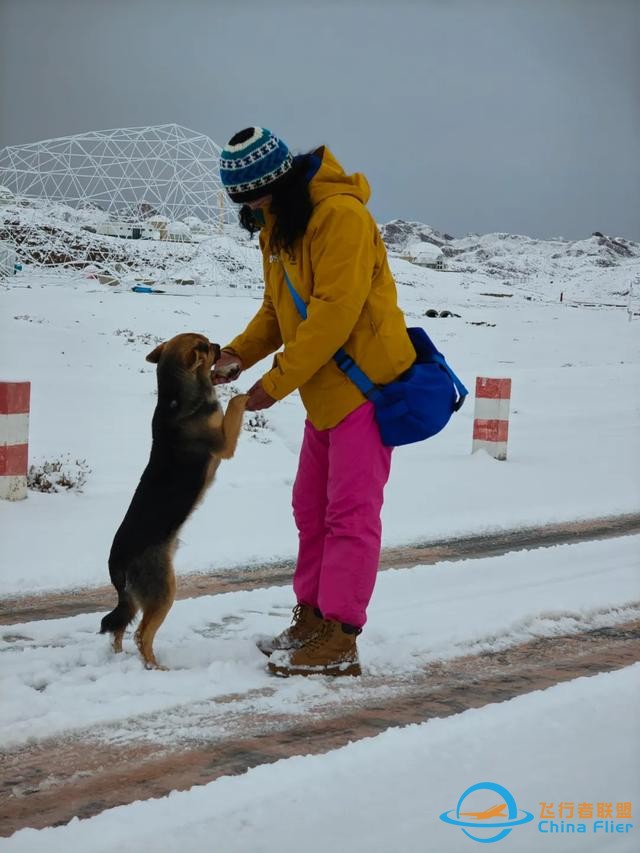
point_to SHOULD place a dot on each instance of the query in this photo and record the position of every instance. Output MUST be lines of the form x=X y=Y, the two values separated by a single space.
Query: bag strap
x=460 y=388
x=359 y=378
x=342 y=358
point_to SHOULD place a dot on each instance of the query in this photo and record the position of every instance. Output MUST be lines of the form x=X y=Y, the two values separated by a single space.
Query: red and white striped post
x=491 y=416
x=14 y=439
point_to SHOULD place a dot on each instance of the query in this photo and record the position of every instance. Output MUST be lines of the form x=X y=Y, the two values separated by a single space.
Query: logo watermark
x=561 y=818
x=497 y=820
x=502 y=816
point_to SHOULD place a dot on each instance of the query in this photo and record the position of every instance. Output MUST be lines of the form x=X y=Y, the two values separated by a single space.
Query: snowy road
x=58 y=605
x=549 y=748
x=83 y=773
x=58 y=675
x=441 y=638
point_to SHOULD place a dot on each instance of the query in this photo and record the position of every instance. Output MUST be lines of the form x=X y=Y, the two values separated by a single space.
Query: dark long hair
x=290 y=205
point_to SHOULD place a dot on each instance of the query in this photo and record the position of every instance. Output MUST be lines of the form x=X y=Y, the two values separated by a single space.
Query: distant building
x=6 y=196
x=425 y=255
x=127 y=230
x=177 y=232
x=155 y=228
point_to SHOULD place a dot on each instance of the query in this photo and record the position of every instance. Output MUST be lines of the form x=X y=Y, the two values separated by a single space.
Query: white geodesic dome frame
x=170 y=168
x=76 y=197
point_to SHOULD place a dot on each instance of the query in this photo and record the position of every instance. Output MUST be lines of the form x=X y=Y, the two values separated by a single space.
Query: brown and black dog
x=190 y=437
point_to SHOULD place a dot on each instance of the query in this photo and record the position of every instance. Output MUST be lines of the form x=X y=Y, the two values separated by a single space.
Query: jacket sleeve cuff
x=238 y=350
x=231 y=350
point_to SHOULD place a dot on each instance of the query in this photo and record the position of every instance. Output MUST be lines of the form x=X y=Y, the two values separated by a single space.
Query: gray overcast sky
x=471 y=115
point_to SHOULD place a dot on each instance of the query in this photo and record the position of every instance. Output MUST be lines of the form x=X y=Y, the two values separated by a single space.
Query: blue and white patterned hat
x=252 y=162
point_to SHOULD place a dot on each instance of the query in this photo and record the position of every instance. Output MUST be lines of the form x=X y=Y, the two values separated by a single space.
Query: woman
x=315 y=229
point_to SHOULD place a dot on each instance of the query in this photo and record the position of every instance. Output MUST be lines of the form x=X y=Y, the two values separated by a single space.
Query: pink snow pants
x=337 y=499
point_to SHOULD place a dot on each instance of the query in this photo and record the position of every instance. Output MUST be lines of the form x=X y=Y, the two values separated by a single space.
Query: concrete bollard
x=14 y=439
x=491 y=416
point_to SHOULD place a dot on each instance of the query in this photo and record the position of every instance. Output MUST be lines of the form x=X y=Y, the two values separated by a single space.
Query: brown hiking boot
x=330 y=651
x=305 y=623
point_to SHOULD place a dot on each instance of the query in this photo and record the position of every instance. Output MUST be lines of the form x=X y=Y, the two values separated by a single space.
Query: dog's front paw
x=238 y=402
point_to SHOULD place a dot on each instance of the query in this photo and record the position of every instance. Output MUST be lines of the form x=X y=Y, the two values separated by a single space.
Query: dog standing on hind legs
x=190 y=436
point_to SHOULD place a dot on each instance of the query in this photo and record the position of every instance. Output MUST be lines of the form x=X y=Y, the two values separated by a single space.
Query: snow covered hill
x=63 y=237
x=593 y=265
x=597 y=268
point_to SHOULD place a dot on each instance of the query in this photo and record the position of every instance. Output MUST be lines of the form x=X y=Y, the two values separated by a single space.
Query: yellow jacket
x=340 y=269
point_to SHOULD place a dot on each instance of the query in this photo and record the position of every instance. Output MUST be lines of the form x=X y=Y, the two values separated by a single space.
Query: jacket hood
x=328 y=178
x=331 y=179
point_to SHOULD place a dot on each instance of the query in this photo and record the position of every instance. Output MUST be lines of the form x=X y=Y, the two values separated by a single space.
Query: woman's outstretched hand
x=258 y=398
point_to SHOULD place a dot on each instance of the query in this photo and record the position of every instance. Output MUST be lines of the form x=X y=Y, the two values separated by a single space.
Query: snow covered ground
x=573 y=450
x=387 y=793
x=573 y=453
x=58 y=676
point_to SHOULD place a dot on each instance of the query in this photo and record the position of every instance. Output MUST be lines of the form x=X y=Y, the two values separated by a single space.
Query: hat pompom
x=252 y=163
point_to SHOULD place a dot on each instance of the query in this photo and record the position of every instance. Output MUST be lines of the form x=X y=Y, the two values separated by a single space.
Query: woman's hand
x=258 y=398
x=227 y=368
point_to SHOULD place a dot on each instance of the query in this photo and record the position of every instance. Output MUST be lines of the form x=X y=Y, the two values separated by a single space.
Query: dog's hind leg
x=117 y=640
x=231 y=425
x=154 y=613
x=115 y=623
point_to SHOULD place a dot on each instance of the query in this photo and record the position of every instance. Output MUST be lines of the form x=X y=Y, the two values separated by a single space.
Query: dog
x=190 y=435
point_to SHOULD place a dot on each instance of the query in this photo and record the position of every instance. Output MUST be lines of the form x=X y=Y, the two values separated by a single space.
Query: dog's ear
x=198 y=355
x=154 y=357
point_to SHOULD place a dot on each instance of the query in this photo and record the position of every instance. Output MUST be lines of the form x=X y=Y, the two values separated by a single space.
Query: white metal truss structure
x=168 y=167
x=77 y=196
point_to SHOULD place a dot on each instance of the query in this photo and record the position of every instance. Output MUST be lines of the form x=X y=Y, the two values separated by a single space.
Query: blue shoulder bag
x=416 y=405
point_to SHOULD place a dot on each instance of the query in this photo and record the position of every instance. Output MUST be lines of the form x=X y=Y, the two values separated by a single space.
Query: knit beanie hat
x=252 y=163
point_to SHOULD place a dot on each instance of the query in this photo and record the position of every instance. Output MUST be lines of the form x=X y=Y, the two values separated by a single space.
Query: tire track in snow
x=58 y=605
x=81 y=774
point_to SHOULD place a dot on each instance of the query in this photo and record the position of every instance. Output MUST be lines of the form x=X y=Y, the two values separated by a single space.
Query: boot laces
x=318 y=638
x=298 y=614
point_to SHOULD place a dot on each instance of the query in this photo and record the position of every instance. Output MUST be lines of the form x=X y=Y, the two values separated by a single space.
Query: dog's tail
x=125 y=610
